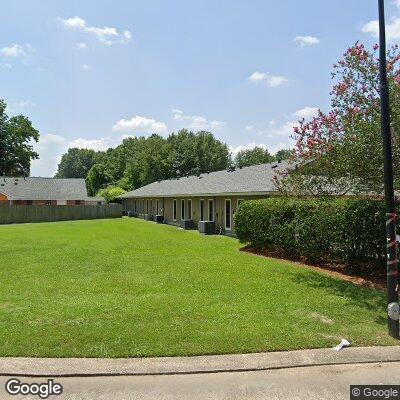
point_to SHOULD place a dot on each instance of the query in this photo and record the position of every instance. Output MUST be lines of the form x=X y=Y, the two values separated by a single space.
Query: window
x=157 y=207
x=29 y=202
x=147 y=206
x=240 y=201
x=201 y=210
x=182 y=209
x=189 y=206
x=151 y=206
x=174 y=210
x=48 y=202
x=78 y=202
x=228 y=214
x=135 y=206
x=211 y=210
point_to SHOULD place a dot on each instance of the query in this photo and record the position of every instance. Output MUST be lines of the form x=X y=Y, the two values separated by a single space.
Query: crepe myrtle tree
x=341 y=151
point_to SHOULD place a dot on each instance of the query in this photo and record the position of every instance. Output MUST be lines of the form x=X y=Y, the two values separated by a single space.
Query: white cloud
x=306 y=112
x=74 y=22
x=274 y=130
x=95 y=144
x=106 y=35
x=272 y=148
x=274 y=81
x=140 y=124
x=81 y=45
x=217 y=124
x=282 y=145
x=5 y=65
x=16 y=50
x=283 y=130
x=249 y=127
x=196 y=121
x=51 y=138
x=392 y=29
x=371 y=27
x=87 y=67
x=270 y=80
x=50 y=147
x=258 y=76
x=235 y=150
x=127 y=36
x=306 y=40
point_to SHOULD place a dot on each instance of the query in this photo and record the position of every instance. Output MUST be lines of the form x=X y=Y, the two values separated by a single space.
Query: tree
x=138 y=161
x=16 y=150
x=254 y=156
x=283 y=154
x=341 y=151
x=97 y=178
x=110 y=193
x=193 y=153
x=76 y=163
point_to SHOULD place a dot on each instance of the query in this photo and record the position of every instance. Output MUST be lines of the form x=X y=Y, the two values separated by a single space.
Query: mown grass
x=130 y=288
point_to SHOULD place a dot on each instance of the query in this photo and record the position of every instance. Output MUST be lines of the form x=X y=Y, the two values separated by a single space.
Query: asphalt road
x=325 y=382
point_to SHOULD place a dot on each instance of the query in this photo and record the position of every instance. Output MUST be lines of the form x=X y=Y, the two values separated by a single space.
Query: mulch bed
x=338 y=271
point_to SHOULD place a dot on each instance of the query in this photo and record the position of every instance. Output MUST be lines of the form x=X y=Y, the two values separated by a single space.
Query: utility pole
x=391 y=244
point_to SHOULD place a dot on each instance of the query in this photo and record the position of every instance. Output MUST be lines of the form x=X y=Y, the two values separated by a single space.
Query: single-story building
x=45 y=191
x=211 y=196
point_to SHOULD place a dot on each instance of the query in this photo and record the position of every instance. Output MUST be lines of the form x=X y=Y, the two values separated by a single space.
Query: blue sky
x=88 y=73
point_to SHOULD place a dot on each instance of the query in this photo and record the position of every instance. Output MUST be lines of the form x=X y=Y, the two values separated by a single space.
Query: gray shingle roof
x=253 y=179
x=44 y=189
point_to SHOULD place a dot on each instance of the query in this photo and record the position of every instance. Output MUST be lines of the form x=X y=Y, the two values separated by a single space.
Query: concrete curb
x=58 y=367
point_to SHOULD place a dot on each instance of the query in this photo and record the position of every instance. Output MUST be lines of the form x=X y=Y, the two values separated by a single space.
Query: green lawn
x=129 y=288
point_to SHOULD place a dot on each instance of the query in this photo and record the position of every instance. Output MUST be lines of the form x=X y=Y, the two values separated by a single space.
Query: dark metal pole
x=392 y=272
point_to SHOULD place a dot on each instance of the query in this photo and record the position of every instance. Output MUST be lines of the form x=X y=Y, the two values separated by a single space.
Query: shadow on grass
x=371 y=299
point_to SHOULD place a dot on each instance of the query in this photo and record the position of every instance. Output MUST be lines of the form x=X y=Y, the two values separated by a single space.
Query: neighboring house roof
x=254 y=179
x=31 y=188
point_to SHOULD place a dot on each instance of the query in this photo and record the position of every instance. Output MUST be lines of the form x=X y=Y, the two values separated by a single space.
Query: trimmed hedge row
x=349 y=232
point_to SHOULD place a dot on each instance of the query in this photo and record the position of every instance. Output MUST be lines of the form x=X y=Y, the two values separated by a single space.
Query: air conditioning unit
x=207 y=227
x=130 y=214
x=186 y=223
x=159 y=219
x=148 y=217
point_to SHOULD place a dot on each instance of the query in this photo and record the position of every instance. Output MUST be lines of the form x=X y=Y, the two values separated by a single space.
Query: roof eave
x=252 y=193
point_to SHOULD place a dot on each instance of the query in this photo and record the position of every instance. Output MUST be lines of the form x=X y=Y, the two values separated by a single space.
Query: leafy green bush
x=349 y=232
x=110 y=193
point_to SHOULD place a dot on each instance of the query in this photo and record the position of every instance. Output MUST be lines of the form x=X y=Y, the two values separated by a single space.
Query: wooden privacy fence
x=16 y=214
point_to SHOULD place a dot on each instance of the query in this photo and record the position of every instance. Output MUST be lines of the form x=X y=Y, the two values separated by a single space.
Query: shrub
x=110 y=193
x=349 y=232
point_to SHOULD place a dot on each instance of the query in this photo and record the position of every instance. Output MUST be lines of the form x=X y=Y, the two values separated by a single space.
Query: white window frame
x=174 y=209
x=189 y=208
x=210 y=217
x=183 y=209
x=200 y=216
x=230 y=216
